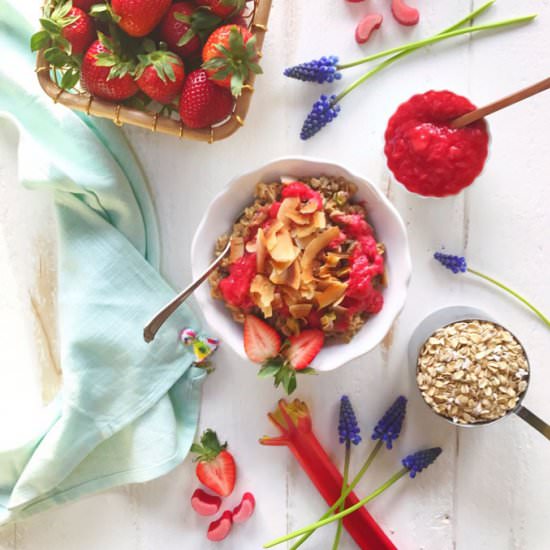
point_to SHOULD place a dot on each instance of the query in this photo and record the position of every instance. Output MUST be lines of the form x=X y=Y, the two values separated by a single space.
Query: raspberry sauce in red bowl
x=425 y=154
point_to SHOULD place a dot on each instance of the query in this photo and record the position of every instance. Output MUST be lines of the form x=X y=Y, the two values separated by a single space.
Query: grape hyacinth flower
x=458 y=264
x=412 y=465
x=327 y=68
x=389 y=426
x=348 y=433
x=348 y=428
x=420 y=460
x=388 y=430
x=324 y=110
x=320 y=70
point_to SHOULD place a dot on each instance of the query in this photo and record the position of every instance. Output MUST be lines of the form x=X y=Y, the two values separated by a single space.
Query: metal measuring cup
x=455 y=314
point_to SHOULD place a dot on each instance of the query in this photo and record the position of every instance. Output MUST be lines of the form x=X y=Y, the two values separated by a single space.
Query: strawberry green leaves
x=230 y=56
x=201 y=23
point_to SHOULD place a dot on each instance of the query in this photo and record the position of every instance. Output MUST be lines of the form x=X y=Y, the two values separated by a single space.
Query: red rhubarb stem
x=294 y=422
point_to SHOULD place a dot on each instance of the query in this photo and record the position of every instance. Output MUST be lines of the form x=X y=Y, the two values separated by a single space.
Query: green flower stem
x=345 y=493
x=438 y=38
x=419 y=44
x=396 y=477
x=347 y=457
x=537 y=312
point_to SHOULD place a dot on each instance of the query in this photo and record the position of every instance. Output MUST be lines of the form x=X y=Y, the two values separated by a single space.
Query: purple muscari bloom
x=319 y=70
x=348 y=428
x=389 y=426
x=457 y=264
x=324 y=111
x=416 y=462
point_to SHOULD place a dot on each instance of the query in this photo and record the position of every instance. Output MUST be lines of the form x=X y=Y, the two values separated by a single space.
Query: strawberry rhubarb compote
x=425 y=154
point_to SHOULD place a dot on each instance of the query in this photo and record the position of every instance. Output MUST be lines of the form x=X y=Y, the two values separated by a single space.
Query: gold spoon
x=160 y=318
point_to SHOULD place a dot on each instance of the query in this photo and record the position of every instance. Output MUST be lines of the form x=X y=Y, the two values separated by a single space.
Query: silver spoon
x=160 y=318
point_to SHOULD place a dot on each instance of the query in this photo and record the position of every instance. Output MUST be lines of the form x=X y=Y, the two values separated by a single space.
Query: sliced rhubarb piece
x=245 y=509
x=367 y=26
x=220 y=528
x=404 y=14
x=205 y=504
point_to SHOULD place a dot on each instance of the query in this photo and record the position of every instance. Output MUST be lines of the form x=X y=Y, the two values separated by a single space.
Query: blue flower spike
x=389 y=426
x=348 y=427
x=457 y=264
x=324 y=110
x=416 y=462
x=319 y=70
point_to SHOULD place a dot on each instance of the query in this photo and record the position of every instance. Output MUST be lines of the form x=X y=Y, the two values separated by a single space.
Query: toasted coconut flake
x=309 y=207
x=291 y=276
x=263 y=294
x=300 y=311
x=313 y=248
x=284 y=249
x=261 y=251
x=237 y=249
x=271 y=234
x=334 y=292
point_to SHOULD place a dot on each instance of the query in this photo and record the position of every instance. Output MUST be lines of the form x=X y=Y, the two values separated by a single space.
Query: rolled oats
x=472 y=371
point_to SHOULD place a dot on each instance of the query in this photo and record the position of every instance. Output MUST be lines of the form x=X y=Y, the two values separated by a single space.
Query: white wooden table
x=490 y=488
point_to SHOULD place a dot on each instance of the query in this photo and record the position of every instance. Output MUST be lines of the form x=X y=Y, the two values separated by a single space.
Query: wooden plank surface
x=490 y=489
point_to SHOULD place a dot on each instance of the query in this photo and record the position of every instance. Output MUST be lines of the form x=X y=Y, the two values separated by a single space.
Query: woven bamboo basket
x=121 y=114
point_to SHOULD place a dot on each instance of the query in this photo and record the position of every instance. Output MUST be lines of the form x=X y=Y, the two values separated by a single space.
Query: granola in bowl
x=303 y=256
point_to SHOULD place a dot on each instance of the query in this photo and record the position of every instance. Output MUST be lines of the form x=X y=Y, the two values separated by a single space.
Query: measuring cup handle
x=532 y=419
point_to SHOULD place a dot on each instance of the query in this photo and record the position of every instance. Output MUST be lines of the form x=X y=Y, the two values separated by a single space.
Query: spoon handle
x=160 y=318
x=534 y=421
x=520 y=95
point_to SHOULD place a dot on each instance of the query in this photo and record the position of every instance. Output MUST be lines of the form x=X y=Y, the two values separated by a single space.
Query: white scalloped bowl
x=388 y=226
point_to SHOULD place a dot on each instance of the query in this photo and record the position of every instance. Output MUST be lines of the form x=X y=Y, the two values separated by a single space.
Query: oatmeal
x=303 y=255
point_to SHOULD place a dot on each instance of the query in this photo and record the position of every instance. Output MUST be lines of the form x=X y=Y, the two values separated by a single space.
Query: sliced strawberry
x=205 y=504
x=220 y=528
x=245 y=509
x=215 y=466
x=304 y=347
x=261 y=342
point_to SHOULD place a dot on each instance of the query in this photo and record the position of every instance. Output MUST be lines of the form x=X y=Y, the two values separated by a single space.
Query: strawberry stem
x=294 y=422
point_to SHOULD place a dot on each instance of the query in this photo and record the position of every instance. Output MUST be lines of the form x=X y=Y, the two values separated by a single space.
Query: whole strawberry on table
x=186 y=59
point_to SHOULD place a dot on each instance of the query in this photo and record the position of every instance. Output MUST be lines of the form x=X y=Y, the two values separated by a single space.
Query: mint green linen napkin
x=127 y=411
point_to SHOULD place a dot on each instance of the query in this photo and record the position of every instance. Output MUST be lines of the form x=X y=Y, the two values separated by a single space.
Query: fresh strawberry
x=261 y=341
x=184 y=25
x=203 y=103
x=215 y=465
x=139 y=17
x=229 y=56
x=104 y=74
x=304 y=347
x=85 y=5
x=220 y=528
x=245 y=509
x=81 y=32
x=205 y=504
x=65 y=29
x=223 y=8
x=160 y=75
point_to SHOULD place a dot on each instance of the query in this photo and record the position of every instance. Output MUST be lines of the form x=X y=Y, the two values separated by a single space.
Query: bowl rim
x=401 y=290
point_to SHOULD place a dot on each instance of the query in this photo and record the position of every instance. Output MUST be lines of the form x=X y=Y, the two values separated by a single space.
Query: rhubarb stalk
x=294 y=423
